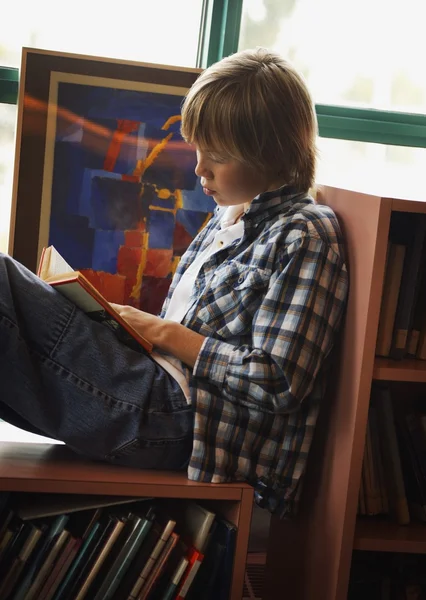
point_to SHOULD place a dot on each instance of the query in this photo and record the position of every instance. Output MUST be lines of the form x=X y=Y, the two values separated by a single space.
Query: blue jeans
x=67 y=377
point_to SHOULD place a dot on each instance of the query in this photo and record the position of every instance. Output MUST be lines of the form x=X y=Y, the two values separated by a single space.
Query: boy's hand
x=146 y=324
x=174 y=338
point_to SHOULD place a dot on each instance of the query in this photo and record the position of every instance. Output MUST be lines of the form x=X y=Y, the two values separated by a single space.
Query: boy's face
x=228 y=181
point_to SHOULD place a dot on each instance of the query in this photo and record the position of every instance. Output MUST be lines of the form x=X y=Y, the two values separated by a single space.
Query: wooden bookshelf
x=386 y=369
x=40 y=465
x=310 y=556
x=381 y=535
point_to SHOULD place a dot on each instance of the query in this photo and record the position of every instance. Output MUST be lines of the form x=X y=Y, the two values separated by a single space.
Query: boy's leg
x=69 y=378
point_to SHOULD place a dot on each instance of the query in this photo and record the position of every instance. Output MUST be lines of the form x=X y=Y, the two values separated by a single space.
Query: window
x=364 y=55
x=368 y=53
x=160 y=32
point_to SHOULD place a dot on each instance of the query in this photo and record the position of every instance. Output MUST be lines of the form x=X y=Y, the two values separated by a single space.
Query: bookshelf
x=310 y=556
x=26 y=466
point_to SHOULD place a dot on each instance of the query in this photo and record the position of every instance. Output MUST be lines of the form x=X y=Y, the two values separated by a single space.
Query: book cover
x=151 y=559
x=372 y=490
x=107 y=545
x=194 y=521
x=16 y=567
x=141 y=527
x=171 y=587
x=391 y=455
x=77 y=563
x=415 y=483
x=419 y=315
x=61 y=568
x=391 y=288
x=195 y=558
x=53 y=553
x=378 y=461
x=79 y=290
x=158 y=568
x=210 y=567
x=11 y=538
x=53 y=531
x=222 y=584
x=85 y=558
x=415 y=231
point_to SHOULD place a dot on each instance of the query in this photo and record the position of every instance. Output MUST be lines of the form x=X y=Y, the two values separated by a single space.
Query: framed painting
x=103 y=174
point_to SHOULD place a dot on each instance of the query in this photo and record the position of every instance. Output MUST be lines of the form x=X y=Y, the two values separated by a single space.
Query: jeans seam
x=64 y=330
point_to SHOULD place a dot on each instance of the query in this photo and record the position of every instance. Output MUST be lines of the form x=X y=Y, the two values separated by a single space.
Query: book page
x=53 y=264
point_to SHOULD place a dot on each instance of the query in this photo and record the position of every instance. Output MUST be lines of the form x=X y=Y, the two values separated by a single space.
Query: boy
x=233 y=389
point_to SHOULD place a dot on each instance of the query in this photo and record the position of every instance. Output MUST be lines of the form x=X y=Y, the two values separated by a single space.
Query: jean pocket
x=160 y=454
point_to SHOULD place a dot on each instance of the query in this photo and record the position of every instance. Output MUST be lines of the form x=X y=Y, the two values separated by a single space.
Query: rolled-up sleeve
x=293 y=331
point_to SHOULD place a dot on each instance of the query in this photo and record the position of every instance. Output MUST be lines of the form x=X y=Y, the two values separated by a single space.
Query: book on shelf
x=140 y=526
x=54 y=270
x=393 y=474
x=413 y=231
x=214 y=577
x=391 y=287
x=402 y=320
x=142 y=549
x=154 y=558
x=387 y=576
x=172 y=585
x=159 y=567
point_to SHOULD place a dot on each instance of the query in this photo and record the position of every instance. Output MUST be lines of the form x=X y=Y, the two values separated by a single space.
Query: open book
x=54 y=270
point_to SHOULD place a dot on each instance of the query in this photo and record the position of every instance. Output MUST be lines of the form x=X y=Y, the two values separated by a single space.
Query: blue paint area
x=105 y=250
x=191 y=220
x=73 y=237
x=161 y=226
x=67 y=178
x=85 y=206
x=115 y=203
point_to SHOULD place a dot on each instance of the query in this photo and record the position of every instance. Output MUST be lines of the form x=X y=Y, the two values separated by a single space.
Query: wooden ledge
x=52 y=467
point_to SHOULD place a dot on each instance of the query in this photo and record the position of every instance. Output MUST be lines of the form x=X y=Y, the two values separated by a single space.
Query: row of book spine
x=387 y=576
x=393 y=479
x=402 y=322
x=60 y=547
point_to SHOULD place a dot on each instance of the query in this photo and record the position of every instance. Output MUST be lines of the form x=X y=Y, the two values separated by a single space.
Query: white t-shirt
x=178 y=305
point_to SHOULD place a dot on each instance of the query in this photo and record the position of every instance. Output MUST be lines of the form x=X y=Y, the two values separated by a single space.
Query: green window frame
x=219 y=35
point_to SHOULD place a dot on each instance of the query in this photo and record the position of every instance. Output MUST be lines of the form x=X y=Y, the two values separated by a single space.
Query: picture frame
x=102 y=172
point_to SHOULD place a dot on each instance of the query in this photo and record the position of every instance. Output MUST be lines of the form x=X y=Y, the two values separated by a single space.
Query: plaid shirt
x=269 y=306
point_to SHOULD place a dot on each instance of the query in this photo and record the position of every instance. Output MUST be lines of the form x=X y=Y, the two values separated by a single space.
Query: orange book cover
x=195 y=558
x=55 y=271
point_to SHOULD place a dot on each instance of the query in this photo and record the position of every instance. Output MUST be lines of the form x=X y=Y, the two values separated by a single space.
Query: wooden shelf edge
x=386 y=369
x=376 y=535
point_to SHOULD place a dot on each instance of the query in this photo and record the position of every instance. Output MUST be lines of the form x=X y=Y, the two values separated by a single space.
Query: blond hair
x=254 y=107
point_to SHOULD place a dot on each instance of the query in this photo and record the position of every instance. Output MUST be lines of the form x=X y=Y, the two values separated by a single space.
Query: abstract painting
x=115 y=191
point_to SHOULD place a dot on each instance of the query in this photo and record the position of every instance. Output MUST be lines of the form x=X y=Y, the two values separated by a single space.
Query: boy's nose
x=202 y=170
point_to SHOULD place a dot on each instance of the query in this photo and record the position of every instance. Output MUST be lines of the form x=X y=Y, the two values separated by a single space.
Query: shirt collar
x=274 y=201
x=265 y=205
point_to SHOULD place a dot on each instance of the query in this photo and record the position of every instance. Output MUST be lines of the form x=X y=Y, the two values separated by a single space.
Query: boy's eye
x=217 y=159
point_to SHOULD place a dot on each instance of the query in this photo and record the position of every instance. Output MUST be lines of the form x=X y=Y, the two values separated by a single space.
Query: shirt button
x=240 y=279
x=220 y=243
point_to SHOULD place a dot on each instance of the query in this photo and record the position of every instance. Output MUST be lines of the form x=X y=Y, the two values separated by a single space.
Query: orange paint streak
x=143 y=165
x=124 y=127
x=171 y=121
x=175 y=263
x=179 y=199
x=135 y=293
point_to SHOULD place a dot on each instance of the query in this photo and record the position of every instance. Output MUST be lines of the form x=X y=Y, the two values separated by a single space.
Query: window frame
x=219 y=37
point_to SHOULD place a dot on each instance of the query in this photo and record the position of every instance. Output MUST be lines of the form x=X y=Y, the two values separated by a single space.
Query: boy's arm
x=293 y=332
x=171 y=337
